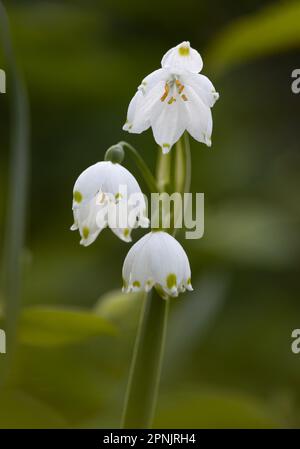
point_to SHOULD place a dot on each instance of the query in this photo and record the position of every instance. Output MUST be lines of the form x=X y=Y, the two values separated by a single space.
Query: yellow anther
x=184 y=97
x=172 y=99
x=166 y=92
x=180 y=86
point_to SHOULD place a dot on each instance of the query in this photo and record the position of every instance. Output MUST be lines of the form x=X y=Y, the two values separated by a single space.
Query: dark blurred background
x=229 y=361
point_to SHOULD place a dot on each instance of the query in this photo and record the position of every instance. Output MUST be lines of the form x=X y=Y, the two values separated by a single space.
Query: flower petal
x=89 y=183
x=168 y=124
x=199 y=118
x=89 y=226
x=123 y=234
x=120 y=182
x=203 y=88
x=183 y=57
x=135 y=268
x=151 y=80
x=135 y=122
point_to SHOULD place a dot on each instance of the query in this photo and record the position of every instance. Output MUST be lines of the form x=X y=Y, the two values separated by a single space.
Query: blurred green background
x=228 y=361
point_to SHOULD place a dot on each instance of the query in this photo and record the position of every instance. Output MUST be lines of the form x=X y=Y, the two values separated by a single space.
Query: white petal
x=145 y=100
x=123 y=234
x=133 y=270
x=168 y=124
x=152 y=101
x=119 y=181
x=203 y=88
x=86 y=220
x=183 y=57
x=86 y=241
x=135 y=122
x=168 y=260
x=199 y=118
x=137 y=214
x=89 y=183
x=151 y=80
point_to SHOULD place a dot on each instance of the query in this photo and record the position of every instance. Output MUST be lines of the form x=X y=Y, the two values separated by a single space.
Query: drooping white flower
x=173 y=99
x=107 y=194
x=157 y=260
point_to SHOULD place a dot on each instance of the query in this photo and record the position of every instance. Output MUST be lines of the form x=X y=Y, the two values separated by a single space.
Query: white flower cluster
x=171 y=100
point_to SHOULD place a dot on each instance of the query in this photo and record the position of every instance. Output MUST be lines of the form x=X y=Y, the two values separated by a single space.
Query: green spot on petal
x=85 y=232
x=136 y=284
x=126 y=232
x=166 y=145
x=118 y=196
x=171 y=280
x=189 y=281
x=184 y=51
x=77 y=196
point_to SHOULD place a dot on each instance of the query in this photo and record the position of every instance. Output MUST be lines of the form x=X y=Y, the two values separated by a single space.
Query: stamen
x=184 y=97
x=172 y=99
x=166 y=93
x=180 y=86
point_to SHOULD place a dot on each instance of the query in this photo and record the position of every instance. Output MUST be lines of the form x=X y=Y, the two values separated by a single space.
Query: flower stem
x=183 y=164
x=17 y=200
x=188 y=163
x=145 y=371
x=148 y=177
x=183 y=170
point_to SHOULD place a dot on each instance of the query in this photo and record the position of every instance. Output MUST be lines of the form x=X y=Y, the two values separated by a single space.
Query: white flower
x=107 y=194
x=173 y=99
x=158 y=260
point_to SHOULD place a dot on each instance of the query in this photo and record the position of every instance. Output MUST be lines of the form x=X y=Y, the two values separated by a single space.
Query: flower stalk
x=146 y=173
x=143 y=384
x=183 y=170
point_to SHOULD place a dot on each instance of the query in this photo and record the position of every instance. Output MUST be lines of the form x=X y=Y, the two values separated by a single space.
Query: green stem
x=145 y=371
x=147 y=175
x=163 y=170
x=183 y=170
x=188 y=163
x=17 y=199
